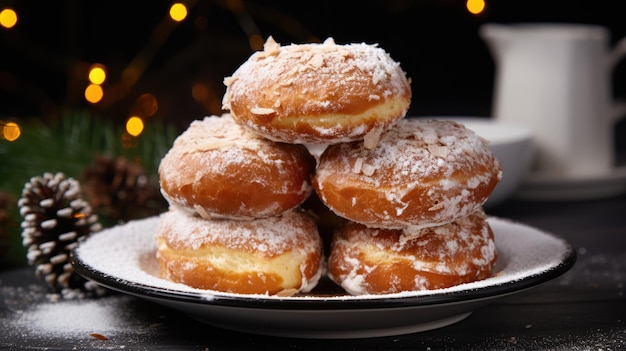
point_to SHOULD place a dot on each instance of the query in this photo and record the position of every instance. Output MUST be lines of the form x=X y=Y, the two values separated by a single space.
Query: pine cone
x=121 y=190
x=55 y=219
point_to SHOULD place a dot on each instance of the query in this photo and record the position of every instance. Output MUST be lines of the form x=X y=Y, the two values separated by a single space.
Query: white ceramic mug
x=556 y=79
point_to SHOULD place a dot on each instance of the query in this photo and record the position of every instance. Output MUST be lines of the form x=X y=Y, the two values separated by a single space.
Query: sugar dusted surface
x=127 y=254
x=264 y=235
x=33 y=319
x=106 y=316
x=419 y=149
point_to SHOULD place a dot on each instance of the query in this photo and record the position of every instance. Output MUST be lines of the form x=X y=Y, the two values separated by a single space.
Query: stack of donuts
x=233 y=223
x=414 y=208
x=324 y=122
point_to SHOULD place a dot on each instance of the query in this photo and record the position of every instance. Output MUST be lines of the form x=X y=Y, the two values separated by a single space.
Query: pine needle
x=71 y=143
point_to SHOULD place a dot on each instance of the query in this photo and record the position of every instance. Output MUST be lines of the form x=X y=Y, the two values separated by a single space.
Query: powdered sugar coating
x=421 y=173
x=214 y=132
x=381 y=261
x=218 y=169
x=276 y=255
x=270 y=236
x=317 y=93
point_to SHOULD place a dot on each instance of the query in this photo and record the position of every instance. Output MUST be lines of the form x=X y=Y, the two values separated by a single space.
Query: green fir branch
x=68 y=145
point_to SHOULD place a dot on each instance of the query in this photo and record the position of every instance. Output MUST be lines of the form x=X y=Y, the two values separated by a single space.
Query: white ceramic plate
x=123 y=259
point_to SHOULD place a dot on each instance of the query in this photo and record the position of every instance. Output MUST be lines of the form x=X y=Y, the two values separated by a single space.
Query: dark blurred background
x=44 y=59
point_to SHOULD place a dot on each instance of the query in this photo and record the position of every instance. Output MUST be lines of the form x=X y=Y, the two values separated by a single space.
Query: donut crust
x=218 y=169
x=280 y=255
x=318 y=93
x=421 y=173
x=381 y=261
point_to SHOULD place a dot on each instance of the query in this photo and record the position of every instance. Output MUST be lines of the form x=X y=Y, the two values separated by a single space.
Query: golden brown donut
x=318 y=93
x=422 y=173
x=380 y=261
x=279 y=255
x=218 y=169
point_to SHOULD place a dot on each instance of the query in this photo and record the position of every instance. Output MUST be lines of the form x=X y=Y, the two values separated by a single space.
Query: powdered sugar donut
x=218 y=169
x=318 y=93
x=279 y=255
x=378 y=261
x=421 y=173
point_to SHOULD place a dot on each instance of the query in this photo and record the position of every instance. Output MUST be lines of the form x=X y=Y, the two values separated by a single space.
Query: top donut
x=318 y=93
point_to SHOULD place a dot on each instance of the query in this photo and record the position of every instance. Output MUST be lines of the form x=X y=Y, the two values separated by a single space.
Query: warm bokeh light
x=97 y=74
x=200 y=92
x=128 y=141
x=131 y=74
x=207 y=97
x=256 y=42
x=8 y=18
x=201 y=23
x=178 y=12
x=11 y=131
x=134 y=126
x=147 y=105
x=475 y=7
x=94 y=93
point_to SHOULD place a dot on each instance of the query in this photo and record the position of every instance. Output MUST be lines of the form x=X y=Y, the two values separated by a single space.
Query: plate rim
x=332 y=302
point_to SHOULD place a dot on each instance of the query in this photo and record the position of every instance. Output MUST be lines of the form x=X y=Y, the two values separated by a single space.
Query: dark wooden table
x=584 y=309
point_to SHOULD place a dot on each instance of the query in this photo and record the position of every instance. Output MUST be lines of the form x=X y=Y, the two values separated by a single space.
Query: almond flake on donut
x=371 y=138
x=262 y=111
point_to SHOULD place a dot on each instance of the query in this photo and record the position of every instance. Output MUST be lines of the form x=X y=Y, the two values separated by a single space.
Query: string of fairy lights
x=97 y=89
x=10 y=130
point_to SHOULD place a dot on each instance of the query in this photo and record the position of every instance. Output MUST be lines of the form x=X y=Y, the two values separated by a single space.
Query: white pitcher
x=556 y=79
